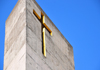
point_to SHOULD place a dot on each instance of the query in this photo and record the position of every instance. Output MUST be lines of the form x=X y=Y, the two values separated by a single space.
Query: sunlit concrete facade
x=24 y=41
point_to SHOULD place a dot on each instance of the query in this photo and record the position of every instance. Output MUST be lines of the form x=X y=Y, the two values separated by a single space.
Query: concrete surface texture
x=23 y=41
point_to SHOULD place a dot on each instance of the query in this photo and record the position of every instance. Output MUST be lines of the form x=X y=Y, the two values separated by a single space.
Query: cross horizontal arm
x=36 y=14
x=48 y=28
x=43 y=21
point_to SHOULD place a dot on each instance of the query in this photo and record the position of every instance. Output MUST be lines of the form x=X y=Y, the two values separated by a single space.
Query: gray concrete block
x=23 y=41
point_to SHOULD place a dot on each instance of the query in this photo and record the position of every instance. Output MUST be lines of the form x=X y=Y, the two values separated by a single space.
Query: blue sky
x=78 y=21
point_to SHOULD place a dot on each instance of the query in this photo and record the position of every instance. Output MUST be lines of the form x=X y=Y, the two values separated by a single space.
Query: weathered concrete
x=15 y=38
x=23 y=42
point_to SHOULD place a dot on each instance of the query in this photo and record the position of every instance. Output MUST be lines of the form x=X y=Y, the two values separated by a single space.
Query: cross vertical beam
x=43 y=29
x=42 y=20
x=44 y=46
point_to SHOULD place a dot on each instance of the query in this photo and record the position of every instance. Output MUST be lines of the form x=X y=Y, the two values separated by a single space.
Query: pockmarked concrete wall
x=58 y=49
x=23 y=41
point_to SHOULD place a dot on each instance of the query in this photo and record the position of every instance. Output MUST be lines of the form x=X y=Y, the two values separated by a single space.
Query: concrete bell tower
x=33 y=42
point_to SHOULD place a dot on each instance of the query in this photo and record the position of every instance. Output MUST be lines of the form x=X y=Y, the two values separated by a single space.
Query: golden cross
x=42 y=20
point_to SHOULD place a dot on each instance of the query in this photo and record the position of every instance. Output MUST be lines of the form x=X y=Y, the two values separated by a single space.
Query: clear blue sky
x=78 y=21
